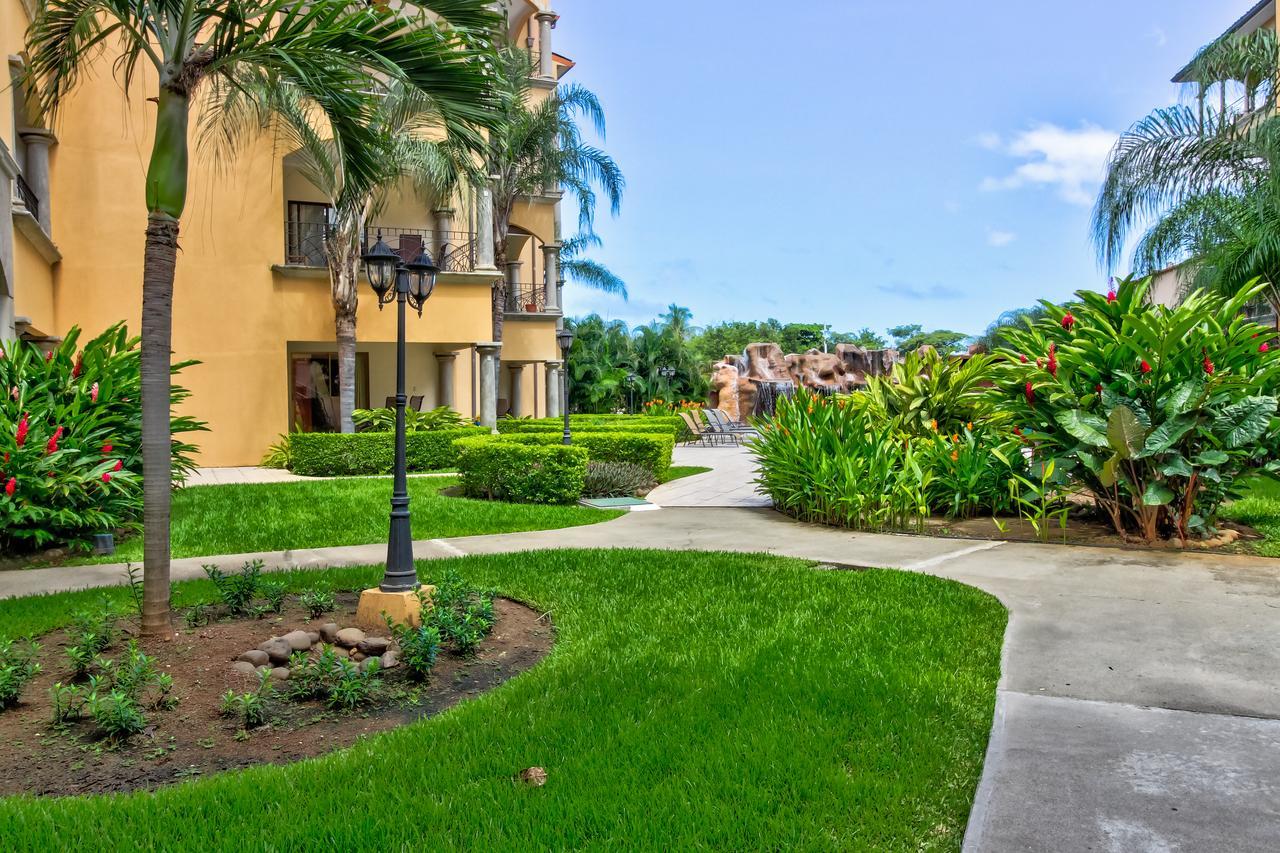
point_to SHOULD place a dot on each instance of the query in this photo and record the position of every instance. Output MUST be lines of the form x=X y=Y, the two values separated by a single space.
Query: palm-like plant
x=539 y=147
x=328 y=50
x=587 y=271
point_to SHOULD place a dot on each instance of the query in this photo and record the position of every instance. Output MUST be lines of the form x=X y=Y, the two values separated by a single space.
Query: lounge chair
x=721 y=422
x=704 y=434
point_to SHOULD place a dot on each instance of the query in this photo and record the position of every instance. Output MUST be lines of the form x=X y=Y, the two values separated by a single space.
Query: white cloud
x=999 y=238
x=1158 y=35
x=1070 y=161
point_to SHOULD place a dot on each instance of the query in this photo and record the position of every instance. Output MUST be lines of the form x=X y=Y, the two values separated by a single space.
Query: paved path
x=1139 y=702
x=728 y=484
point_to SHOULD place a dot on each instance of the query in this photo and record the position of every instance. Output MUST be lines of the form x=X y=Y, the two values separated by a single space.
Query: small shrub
x=249 y=709
x=278 y=455
x=419 y=646
x=310 y=678
x=318 y=601
x=350 y=687
x=18 y=666
x=68 y=702
x=384 y=420
x=196 y=616
x=651 y=451
x=236 y=590
x=117 y=715
x=461 y=614
x=616 y=480
x=326 y=454
x=502 y=469
x=275 y=593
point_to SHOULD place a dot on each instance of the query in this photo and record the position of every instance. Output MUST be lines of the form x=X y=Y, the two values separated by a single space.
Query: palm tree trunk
x=166 y=197
x=343 y=277
x=157 y=449
x=499 y=302
x=345 y=327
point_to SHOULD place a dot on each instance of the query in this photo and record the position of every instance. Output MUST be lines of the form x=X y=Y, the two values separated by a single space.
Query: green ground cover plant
x=212 y=520
x=70 y=440
x=692 y=701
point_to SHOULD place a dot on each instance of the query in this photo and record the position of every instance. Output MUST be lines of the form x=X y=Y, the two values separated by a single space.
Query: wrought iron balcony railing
x=526 y=298
x=453 y=251
x=28 y=196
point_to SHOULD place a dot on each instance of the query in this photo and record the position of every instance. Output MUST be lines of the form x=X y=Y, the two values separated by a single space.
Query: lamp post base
x=404 y=608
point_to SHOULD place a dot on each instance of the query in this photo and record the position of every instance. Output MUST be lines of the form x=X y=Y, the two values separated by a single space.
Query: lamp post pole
x=564 y=337
x=411 y=283
x=667 y=373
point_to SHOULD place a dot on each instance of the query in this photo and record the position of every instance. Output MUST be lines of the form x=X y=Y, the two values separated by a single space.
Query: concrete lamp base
x=403 y=607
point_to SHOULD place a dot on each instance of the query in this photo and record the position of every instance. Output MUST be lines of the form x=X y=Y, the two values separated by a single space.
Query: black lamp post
x=564 y=337
x=392 y=279
x=632 y=378
x=667 y=373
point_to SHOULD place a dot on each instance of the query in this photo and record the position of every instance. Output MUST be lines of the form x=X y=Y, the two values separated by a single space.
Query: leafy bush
x=18 y=666
x=507 y=470
x=249 y=709
x=651 y=451
x=318 y=602
x=460 y=614
x=1156 y=412
x=236 y=590
x=117 y=716
x=384 y=420
x=275 y=593
x=636 y=423
x=419 y=646
x=328 y=454
x=70 y=440
x=828 y=460
x=352 y=686
x=616 y=480
x=279 y=455
x=927 y=394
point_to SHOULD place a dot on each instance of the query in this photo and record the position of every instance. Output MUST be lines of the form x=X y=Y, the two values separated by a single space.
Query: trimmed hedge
x=331 y=454
x=520 y=472
x=595 y=423
x=648 y=450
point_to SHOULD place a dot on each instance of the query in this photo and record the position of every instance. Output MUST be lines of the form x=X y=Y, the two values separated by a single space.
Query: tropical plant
x=18 y=666
x=928 y=393
x=912 y=337
x=538 y=146
x=70 y=439
x=238 y=588
x=328 y=51
x=616 y=480
x=1153 y=412
x=586 y=271
x=318 y=601
x=384 y=420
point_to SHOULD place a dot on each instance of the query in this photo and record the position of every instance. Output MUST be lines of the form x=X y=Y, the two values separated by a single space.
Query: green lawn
x=242 y=518
x=692 y=701
x=1260 y=509
x=675 y=472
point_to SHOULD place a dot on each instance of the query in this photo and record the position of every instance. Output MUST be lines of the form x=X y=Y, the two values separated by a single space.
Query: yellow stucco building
x=251 y=297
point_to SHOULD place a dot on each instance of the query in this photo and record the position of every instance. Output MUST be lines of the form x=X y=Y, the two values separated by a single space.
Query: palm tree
x=400 y=116
x=538 y=147
x=1200 y=179
x=586 y=271
x=328 y=50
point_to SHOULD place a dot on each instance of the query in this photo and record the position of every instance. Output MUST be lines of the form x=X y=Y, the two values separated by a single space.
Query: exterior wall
x=232 y=312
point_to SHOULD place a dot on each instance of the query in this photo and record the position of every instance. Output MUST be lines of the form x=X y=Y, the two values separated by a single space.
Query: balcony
x=27 y=196
x=453 y=251
x=526 y=299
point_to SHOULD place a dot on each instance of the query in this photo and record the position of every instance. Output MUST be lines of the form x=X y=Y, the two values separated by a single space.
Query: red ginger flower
x=1144 y=367
x=11 y=487
x=1023 y=357
x=79 y=367
x=106 y=448
x=1208 y=365
x=1030 y=391
x=119 y=464
x=1263 y=347
x=21 y=435
x=52 y=446
x=1053 y=360
x=48 y=357
x=1111 y=296
x=106 y=477
x=93 y=393
x=1068 y=321
x=1098 y=388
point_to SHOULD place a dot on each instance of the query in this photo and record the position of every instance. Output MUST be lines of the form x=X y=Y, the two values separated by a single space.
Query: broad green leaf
x=1211 y=457
x=1245 y=421
x=1084 y=427
x=1157 y=494
x=1169 y=433
x=1175 y=402
x=1176 y=467
x=1124 y=433
x=1109 y=473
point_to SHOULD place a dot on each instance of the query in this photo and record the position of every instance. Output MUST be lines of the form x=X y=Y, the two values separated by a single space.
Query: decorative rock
x=535 y=776
x=349 y=637
x=329 y=632
x=262 y=669
x=278 y=649
x=356 y=656
x=254 y=657
x=373 y=646
x=299 y=641
x=314 y=636
x=341 y=652
x=368 y=662
x=390 y=660
x=280 y=673
x=244 y=668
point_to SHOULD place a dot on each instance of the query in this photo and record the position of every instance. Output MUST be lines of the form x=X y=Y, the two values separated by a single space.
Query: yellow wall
x=231 y=311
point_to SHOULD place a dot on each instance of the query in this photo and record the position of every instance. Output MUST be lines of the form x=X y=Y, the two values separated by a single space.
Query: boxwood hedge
x=328 y=454
x=520 y=472
x=648 y=450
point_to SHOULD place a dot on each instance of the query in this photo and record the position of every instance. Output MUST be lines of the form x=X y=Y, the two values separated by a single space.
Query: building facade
x=252 y=295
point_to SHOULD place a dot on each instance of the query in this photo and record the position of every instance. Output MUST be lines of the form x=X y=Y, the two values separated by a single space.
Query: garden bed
x=193 y=739
x=1083 y=530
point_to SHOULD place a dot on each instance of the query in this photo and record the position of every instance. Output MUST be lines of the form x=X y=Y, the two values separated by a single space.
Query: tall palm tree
x=587 y=271
x=1201 y=179
x=539 y=147
x=404 y=120
x=329 y=50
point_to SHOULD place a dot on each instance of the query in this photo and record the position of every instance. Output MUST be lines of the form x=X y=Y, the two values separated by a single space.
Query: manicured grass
x=242 y=518
x=692 y=701
x=1260 y=509
x=675 y=472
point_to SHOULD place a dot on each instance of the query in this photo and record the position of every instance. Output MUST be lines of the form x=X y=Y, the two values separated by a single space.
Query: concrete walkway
x=1139 y=702
x=729 y=483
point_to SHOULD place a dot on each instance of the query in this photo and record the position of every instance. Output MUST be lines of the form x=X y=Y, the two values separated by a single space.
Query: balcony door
x=306 y=227
x=314 y=376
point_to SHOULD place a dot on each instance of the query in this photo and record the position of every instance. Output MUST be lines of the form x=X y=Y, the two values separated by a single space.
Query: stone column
x=8 y=311
x=546 y=23
x=36 y=173
x=484 y=229
x=560 y=299
x=444 y=225
x=515 y=298
x=516 y=395
x=445 y=364
x=551 y=275
x=553 y=389
x=489 y=354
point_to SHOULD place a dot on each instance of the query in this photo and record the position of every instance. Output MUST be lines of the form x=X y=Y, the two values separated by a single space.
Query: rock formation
x=750 y=383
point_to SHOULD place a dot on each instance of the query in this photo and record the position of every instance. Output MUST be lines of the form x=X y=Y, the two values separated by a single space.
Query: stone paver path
x=729 y=483
x=1139 y=702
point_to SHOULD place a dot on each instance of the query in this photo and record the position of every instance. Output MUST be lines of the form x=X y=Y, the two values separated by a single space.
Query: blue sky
x=865 y=163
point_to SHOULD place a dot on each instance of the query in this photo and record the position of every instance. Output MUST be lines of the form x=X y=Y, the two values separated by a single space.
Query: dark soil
x=1082 y=530
x=192 y=740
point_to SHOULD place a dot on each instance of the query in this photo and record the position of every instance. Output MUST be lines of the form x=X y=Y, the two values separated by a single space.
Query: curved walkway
x=1139 y=701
